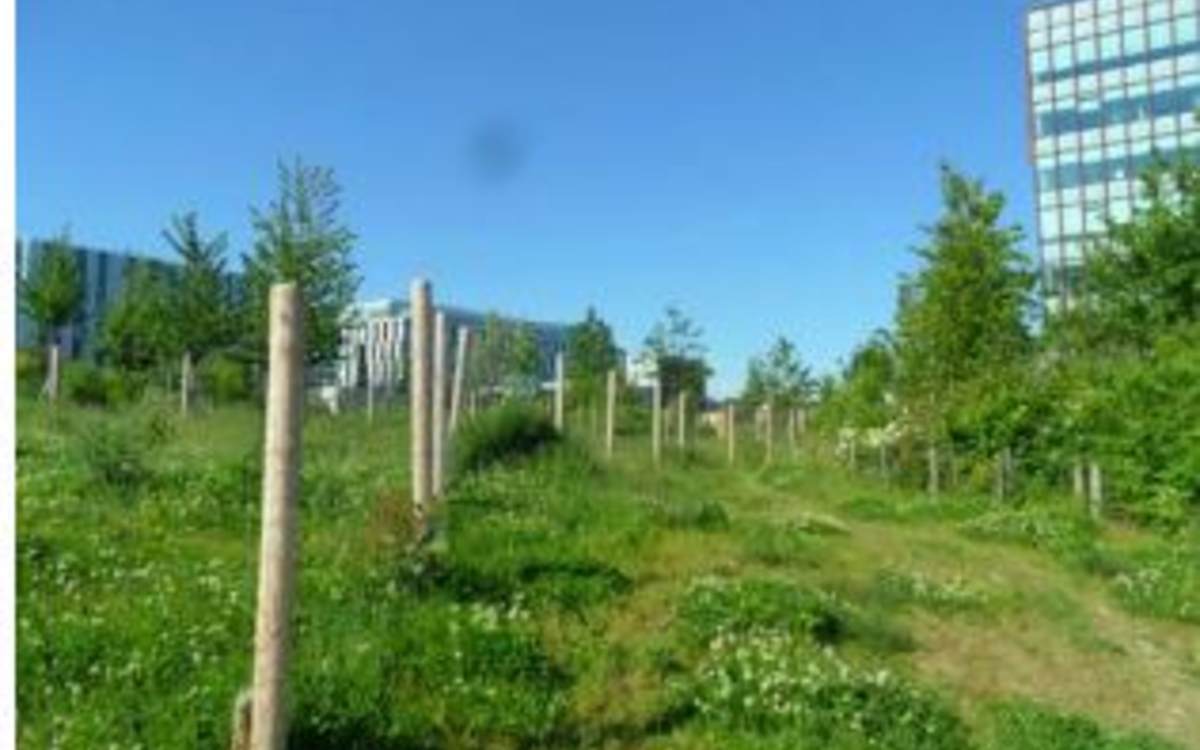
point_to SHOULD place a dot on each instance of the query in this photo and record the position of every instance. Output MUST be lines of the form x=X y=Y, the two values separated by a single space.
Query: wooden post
x=731 y=429
x=420 y=403
x=460 y=369
x=560 y=392
x=50 y=388
x=1095 y=490
x=792 y=431
x=682 y=405
x=1079 y=480
x=440 y=379
x=370 y=362
x=656 y=421
x=185 y=383
x=610 y=421
x=934 y=471
x=281 y=487
x=770 y=431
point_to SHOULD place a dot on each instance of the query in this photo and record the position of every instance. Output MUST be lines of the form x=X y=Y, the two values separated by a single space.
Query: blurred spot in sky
x=497 y=152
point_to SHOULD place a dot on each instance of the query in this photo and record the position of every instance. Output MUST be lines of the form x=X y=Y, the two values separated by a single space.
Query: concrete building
x=1111 y=84
x=375 y=339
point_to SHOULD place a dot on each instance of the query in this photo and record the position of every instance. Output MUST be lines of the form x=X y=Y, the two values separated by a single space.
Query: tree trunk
x=50 y=389
x=185 y=384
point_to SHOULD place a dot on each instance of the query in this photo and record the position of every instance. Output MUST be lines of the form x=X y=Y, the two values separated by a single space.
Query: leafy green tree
x=139 y=331
x=779 y=376
x=865 y=396
x=1144 y=278
x=675 y=346
x=300 y=238
x=51 y=295
x=965 y=313
x=504 y=359
x=205 y=320
x=591 y=353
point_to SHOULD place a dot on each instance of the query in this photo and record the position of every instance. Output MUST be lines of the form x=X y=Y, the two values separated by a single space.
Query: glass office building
x=1111 y=84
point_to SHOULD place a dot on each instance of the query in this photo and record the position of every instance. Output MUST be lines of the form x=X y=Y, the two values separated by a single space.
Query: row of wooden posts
x=1087 y=476
x=259 y=718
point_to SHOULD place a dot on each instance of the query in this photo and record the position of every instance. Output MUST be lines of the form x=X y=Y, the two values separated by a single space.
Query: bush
x=31 y=370
x=89 y=385
x=512 y=431
x=224 y=379
x=711 y=607
x=770 y=681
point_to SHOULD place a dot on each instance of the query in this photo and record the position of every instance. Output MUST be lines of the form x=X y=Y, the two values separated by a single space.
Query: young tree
x=1144 y=278
x=674 y=345
x=780 y=377
x=965 y=313
x=504 y=359
x=591 y=353
x=300 y=238
x=139 y=331
x=51 y=295
x=203 y=302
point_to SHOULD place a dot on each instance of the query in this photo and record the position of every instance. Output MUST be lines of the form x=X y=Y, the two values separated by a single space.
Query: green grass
x=572 y=602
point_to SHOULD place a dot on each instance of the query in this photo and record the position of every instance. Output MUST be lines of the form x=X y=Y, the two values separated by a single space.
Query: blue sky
x=765 y=165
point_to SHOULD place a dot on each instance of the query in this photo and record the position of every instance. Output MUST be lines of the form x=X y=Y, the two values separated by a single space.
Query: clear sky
x=765 y=165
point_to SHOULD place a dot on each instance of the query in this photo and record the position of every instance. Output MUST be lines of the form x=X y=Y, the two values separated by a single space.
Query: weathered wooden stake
x=682 y=405
x=560 y=391
x=440 y=380
x=935 y=476
x=185 y=383
x=50 y=388
x=1079 y=480
x=731 y=429
x=460 y=370
x=370 y=363
x=656 y=423
x=610 y=421
x=1095 y=490
x=770 y=431
x=420 y=401
x=281 y=487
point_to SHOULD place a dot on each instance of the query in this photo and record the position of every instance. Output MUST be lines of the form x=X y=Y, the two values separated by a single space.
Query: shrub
x=116 y=457
x=89 y=385
x=766 y=681
x=713 y=606
x=224 y=379
x=511 y=431
x=703 y=515
x=1162 y=582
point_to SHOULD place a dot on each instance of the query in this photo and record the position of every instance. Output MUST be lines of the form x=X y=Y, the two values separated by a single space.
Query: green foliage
x=300 y=238
x=591 y=353
x=51 y=294
x=951 y=596
x=1162 y=581
x=91 y=385
x=1145 y=278
x=712 y=607
x=767 y=681
x=509 y=432
x=504 y=359
x=225 y=379
x=140 y=329
x=1025 y=726
x=205 y=302
x=779 y=377
x=675 y=348
x=691 y=513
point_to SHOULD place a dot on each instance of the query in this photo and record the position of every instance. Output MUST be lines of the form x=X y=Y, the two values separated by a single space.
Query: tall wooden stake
x=656 y=423
x=420 y=403
x=185 y=384
x=460 y=370
x=731 y=430
x=560 y=392
x=1095 y=490
x=770 y=432
x=610 y=421
x=281 y=485
x=440 y=376
x=683 y=406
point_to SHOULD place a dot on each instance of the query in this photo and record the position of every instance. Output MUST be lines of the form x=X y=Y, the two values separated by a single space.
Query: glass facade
x=1113 y=84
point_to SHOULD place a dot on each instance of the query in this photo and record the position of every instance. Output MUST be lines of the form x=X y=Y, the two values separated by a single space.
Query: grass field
x=576 y=603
